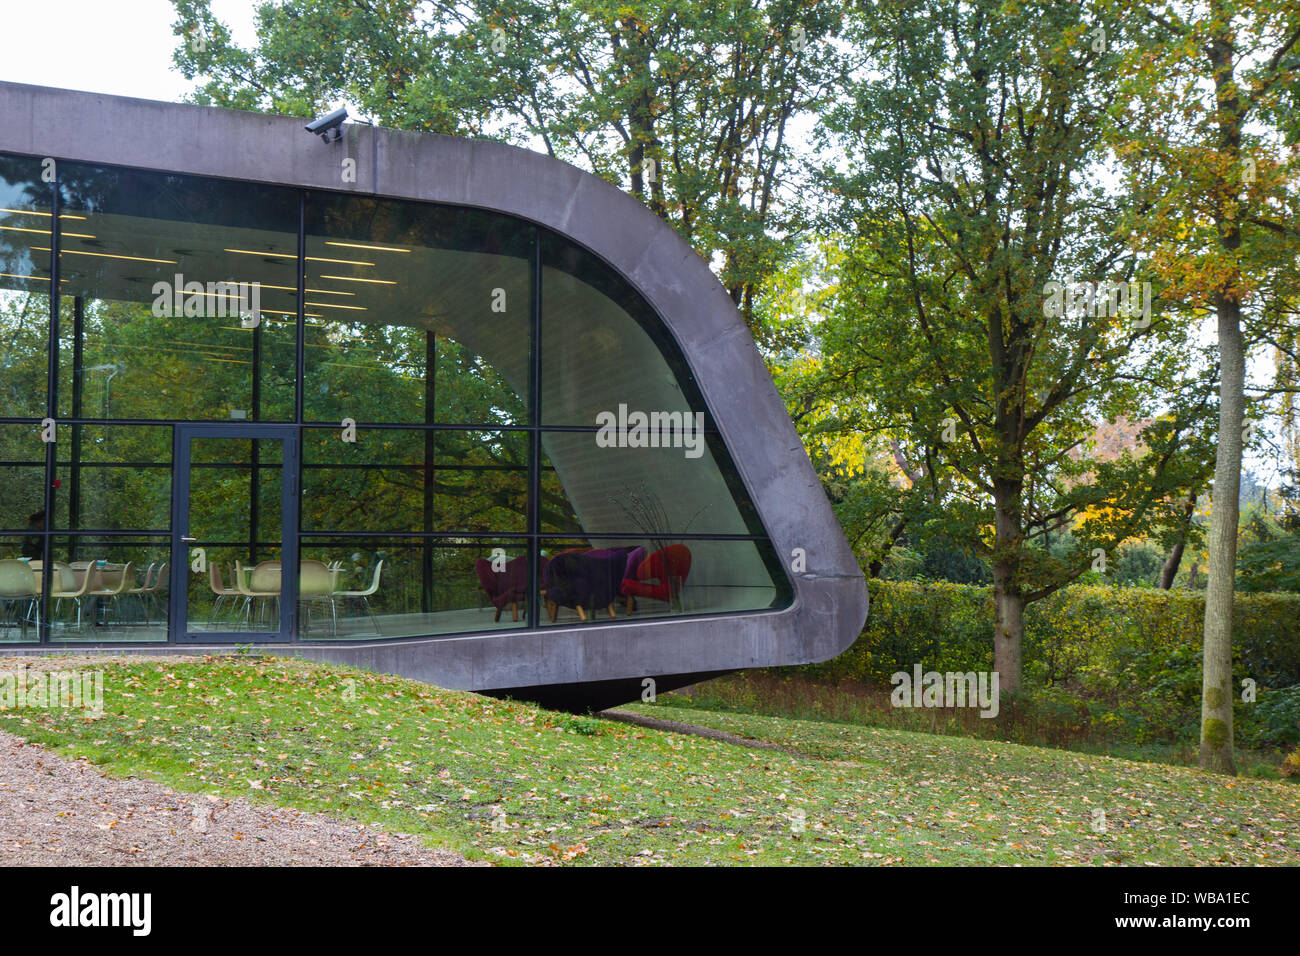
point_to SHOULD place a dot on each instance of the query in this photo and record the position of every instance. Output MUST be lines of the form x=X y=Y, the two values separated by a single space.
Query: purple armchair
x=588 y=579
x=504 y=587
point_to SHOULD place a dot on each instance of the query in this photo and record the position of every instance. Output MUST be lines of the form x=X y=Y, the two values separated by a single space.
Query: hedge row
x=1089 y=636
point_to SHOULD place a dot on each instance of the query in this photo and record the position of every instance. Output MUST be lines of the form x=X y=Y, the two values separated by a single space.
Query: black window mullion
x=535 y=436
x=300 y=342
x=51 y=411
x=78 y=393
x=430 y=414
x=300 y=360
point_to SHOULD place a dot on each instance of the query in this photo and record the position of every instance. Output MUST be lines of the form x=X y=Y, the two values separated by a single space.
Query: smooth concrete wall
x=830 y=603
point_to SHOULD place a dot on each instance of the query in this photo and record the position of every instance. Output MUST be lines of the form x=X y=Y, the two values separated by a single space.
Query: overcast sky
x=105 y=46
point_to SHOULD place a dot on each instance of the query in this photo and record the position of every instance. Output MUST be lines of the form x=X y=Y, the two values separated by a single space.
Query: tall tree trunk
x=1216 y=693
x=1009 y=601
x=1170 y=570
x=1216 y=687
x=1009 y=632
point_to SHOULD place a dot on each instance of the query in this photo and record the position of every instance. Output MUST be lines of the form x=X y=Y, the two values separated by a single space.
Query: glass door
x=234 y=530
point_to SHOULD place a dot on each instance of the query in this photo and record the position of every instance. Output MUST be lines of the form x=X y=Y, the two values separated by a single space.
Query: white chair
x=363 y=597
x=156 y=593
x=316 y=586
x=219 y=590
x=70 y=584
x=263 y=586
x=141 y=593
x=18 y=588
x=113 y=591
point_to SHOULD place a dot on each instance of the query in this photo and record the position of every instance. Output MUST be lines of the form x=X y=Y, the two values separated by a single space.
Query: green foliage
x=1075 y=633
x=1126 y=659
x=903 y=564
x=1274 y=721
x=1138 y=565
x=1270 y=565
x=1291 y=765
x=966 y=191
x=587 y=726
x=939 y=625
x=706 y=92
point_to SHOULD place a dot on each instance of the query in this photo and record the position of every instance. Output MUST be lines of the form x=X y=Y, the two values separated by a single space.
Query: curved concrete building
x=503 y=420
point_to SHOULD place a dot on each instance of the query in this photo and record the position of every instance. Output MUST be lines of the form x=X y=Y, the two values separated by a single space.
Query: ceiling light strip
x=103 y=255
x=354 y=279
x=290 y=255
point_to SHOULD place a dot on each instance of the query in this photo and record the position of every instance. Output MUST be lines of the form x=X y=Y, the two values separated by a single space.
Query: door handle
x=188 y=540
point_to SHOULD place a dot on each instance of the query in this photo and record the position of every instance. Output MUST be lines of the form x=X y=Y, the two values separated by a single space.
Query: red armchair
x=660 y=576
x=504 y=587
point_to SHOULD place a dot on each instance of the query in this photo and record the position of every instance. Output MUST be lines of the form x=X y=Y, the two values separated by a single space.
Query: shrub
x=1272 y=565
x=1124 y=661
x=1274 y=721
x=1291 y=765
x=1076 y=635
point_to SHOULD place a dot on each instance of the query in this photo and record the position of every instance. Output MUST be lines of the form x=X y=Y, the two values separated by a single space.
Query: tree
x=687 y=105
x=1208 y=103
x=970 y=200
x=1169 y=570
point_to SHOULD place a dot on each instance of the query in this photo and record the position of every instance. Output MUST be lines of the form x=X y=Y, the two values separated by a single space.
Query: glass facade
x=449 y=420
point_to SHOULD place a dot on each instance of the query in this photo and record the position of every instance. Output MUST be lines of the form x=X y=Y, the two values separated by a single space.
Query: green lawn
x=510 y=782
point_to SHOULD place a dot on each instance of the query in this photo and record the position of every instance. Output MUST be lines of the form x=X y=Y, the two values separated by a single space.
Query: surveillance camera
x=327 y=126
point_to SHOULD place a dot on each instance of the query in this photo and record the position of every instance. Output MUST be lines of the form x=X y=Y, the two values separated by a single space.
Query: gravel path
x=56 y=812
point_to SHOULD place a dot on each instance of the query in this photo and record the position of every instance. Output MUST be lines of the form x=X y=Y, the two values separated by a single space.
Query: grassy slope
x=783 y=692
x=586 y=790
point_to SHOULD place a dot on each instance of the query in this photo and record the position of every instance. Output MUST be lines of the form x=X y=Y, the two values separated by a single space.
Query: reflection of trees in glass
x=376 y=373
x=111 y=488
x=453 y=584
x=24 y=269
x=478 y=482
x=557 y=512
x=365 y=372
x=24 y=343
x=470 y=390
x=138 y=365
x=22 y=475
x=24 y=347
